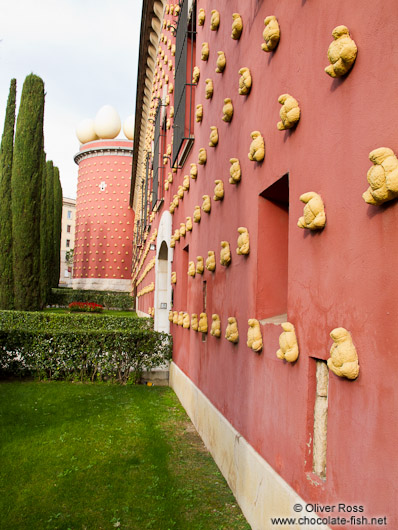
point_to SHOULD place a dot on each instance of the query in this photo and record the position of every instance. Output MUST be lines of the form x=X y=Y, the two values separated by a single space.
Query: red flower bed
x=85 y=307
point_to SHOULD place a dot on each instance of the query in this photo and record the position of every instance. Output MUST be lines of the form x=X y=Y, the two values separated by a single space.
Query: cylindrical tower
x=104 y=220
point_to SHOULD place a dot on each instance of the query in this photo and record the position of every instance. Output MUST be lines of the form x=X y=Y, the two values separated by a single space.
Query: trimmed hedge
x=108 y=299
x=54 y=346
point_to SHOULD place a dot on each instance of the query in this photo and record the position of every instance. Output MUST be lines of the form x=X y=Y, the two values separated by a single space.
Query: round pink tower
x=104 y=220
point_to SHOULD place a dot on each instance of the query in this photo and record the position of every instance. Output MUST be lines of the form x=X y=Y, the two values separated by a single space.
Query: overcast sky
x=86 y=52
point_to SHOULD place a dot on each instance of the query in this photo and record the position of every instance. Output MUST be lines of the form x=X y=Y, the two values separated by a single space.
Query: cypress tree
x=45 y=241
x=50 y=221
x=26 y=192
x=6 y=151
x=57 y=225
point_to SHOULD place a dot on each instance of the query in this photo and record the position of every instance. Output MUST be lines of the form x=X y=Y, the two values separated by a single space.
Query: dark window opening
x=272 y=257
x=184 y=96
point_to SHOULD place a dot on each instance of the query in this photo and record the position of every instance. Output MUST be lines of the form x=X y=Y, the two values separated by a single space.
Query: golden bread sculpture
x=231 y=332
x=215 y=330
x=342 y=52
x=314 y=217
x=343 y=359
x=243 y=241
x=257 y=147
x=382 y=177
x=227 y=110
x=288 y=346
x=202 y=323
x=289 y=113
x=211 y=261
x=235 y=171
x=271 y=34
x=245 y=81
x=225 y=254
x=254 y=337
x=237 y=26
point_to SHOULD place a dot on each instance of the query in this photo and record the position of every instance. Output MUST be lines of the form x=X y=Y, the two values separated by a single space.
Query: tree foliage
x=26 y=183
x=57 y=226
x=6 y=154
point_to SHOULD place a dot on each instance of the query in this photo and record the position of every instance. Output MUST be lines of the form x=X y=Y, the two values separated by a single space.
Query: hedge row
x=74 y=352
x=108 y=299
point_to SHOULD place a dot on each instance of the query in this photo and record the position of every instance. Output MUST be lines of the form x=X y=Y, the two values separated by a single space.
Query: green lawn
x=97 y=456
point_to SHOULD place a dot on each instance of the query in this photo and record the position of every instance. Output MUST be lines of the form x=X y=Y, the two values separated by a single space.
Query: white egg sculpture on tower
x=128 y=127
x=85 y=131
x=107 y=123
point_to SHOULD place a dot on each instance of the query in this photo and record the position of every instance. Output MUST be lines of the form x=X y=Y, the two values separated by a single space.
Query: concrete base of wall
x=156 y=377
x=101 y=284
x=259 y=490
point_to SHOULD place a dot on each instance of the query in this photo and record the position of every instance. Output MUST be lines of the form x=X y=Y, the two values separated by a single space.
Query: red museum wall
x=344 y=276
x=104 y=220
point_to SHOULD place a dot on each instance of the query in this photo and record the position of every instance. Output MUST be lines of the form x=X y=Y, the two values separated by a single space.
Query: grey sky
x=85 y=51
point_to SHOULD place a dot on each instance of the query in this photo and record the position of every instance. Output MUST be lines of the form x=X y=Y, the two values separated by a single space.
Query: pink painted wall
x=345 y=276
x=104 y=222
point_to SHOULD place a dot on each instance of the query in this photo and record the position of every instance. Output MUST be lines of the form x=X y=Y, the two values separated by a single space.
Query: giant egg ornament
x=107 y=123
x=85 y=131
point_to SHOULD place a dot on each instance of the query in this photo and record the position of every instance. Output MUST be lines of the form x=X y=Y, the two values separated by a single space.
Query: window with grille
x=184 y=92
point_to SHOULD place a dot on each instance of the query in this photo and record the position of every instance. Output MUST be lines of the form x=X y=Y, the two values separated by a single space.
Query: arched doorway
x=162 y=292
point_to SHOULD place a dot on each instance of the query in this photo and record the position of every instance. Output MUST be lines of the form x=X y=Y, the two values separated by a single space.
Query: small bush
x=108 y=299
x=68 y=347
x=85 y=307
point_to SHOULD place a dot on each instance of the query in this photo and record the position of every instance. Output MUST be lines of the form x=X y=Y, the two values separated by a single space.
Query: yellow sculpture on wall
x=289 y=113
x=235 y=171
x=245 y=81
x=343 y=355
x=215 y=330
x=213 y=140
x=257 y=147
x=176 y=234
x=180 y=192
x=172 y=242
x=170 y=316
x=215 y=20
x=254 y=337
x=170 y=177
x=228 y=110
x=186 y=183
x=211 y=261
x=188 y=224
x=199 y=112
x=314 y=217
x=288 y=346
x=195 y=75
x=218 y=190
x=174 y=277
x=237 y=26
x=191 y=269
x=202 y=157
x=209 y=89
x=199 y=265
x=175 y=317
x=342 y=52
x=206 y=205
x=180 y=317
x=205 y=51
x=186 y=321
x=166 y=187
x=243 y=241
x=182 y=229
x=382 y=177
x=225 y=254
x=196 y=214
x=221 y=62
x=202 y=323
x=271 y=34
x=201 y=17
x=232 y=333
x=194 y=322
x=176 y=200
x=194 y=171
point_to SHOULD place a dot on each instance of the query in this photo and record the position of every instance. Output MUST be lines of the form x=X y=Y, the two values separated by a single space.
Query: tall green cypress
x=6 y=151
x=26 y=192
x=45 y=256
x=50 y=221
x=57 y=225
